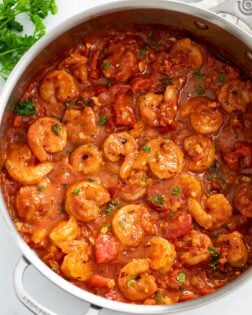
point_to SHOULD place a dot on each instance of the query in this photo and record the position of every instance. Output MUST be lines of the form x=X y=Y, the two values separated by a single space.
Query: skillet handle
x=24 y=297
x=241 y=9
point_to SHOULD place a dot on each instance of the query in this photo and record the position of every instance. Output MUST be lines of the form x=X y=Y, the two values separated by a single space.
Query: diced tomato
x=124 y=112
x=100 y=282
x=178 y=227
x=95 y=57
x=106 y=248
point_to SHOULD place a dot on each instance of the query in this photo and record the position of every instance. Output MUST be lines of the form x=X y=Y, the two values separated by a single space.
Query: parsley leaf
x=106 y=64
x=112 y=205
x=181 y=278
x=158 y=200
x=76 y=191
x=13 y=44
x=159 y=296
x=221 y=78
x=176 y=190
x=166 y=81
x=56 y=129
x=25 y=108
x=213 y=252
x=102 y=121
x=200 y=90
x=41 y=188
x=146 y=148
x=197 y=75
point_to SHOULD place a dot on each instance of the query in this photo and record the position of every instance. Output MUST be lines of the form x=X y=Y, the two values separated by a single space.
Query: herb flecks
x=200 y=90
x=215 y=257
x=181 y=277
x=158 y=200
x=112 y=205
x=56 y=129
x=146 y=148
x=25 y=108
x=106 y=65
x=102 y=121
x=76 y=191
x=176 y=190
x=198 y=75
x=41 y=188
x=159 y=296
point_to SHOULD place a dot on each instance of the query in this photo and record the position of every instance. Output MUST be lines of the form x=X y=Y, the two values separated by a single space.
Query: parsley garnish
x=158 y=200
x=159 y=296
x=56 y=129
x=106 y=64
x=197 y=75
x=112 y=205
x=91 y=180
x=176 y=191
x=166 y=81
x=102 y=121
x=25 y=108
x=152 y=37
x=181 y=278
x=146 y=148
x=76 y=191
x=13 y=44
x=213 y=252
x=41 y=188
x=221 y=78
x=200 y=90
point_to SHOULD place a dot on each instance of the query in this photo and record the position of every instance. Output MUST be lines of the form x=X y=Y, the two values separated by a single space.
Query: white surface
x=238 y=302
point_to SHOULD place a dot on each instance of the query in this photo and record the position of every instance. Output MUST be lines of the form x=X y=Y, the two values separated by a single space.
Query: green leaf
x=76 y=191
x=152 y=38
x=181 y=278
x=159 y=296
x=56 y=129
x=176 y=190
x=41 y=188
x=213 y=252
x=112 y=205
x=102 y=121
x=221 y=78
x=197 y=75
x=25 y=108
x=158 y=200
x=200 y=90
x=146 y=148
x=166 y=81
x=106 y=64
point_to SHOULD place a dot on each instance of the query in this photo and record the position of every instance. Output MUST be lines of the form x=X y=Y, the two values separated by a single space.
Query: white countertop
x=238 y=302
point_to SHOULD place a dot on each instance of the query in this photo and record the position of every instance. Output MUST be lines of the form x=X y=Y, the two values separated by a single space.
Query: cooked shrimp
x=121 y=144
x=81 y=126
x=83 y=200
x=64 y=231
x=217 y=211
x=204 y=114
x=192 y=51
x=243 y=200
x=76 y=264
x=168 y=108
x=195 y=248
x=135 y=281
x=233 y=249
x=235 y=96
x=190 y=185
x=149 y=106
x=77 y=65
x=165 y=158
x=58 y=85
x=135 y=186
x=162 y=254
x=17 y=165
x=46 y=135
x=86 y=159
x=200 y=153
x=130 y=224
x=137 y=129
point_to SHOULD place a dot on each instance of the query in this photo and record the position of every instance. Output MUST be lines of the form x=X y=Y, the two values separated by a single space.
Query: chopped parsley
x=130 y=283
x=25 y=108
x=112 y=205
x=56 y=129
x=41 y=188
x=106 y=64
x=213 y=252
x=197 y=75
x=146 y=148
x=181 y=278
x=76 y=191
x=159 y=296
x=91 y=180
x=152 y=38
x=221 y=78
x=200 y=90
x=176 y=190
x=102 y=121
x=158 y=200
x=166 y=81
x=142 y=52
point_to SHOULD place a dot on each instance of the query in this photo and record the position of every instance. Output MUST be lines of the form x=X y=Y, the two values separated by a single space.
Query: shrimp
x=243 y=200
x=190 y=185
x=233 y=249
x=83 y=200
x=58 y=85
x=17 y=165
x=121 y=144
x=30 y=201
x=200 y=153
x=77 y=65
x=168 y=109
x=149 y=105
x=204 y=114
x=76 y=264
x=86 y=159
x=46 y=135
x=165 y=158
x=162 y=254
x=130 y=224
x=64 y=231
x=135 y=281
x=217 y=211
x=135 y=186
x=192 y=51
x=81 y=126
x=235 y=96
x=195 y=248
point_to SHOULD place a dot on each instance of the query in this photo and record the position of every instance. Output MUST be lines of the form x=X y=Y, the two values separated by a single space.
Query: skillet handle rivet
x=201 y=25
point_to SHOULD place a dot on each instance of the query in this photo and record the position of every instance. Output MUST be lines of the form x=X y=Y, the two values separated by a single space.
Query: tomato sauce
x=127 y=166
